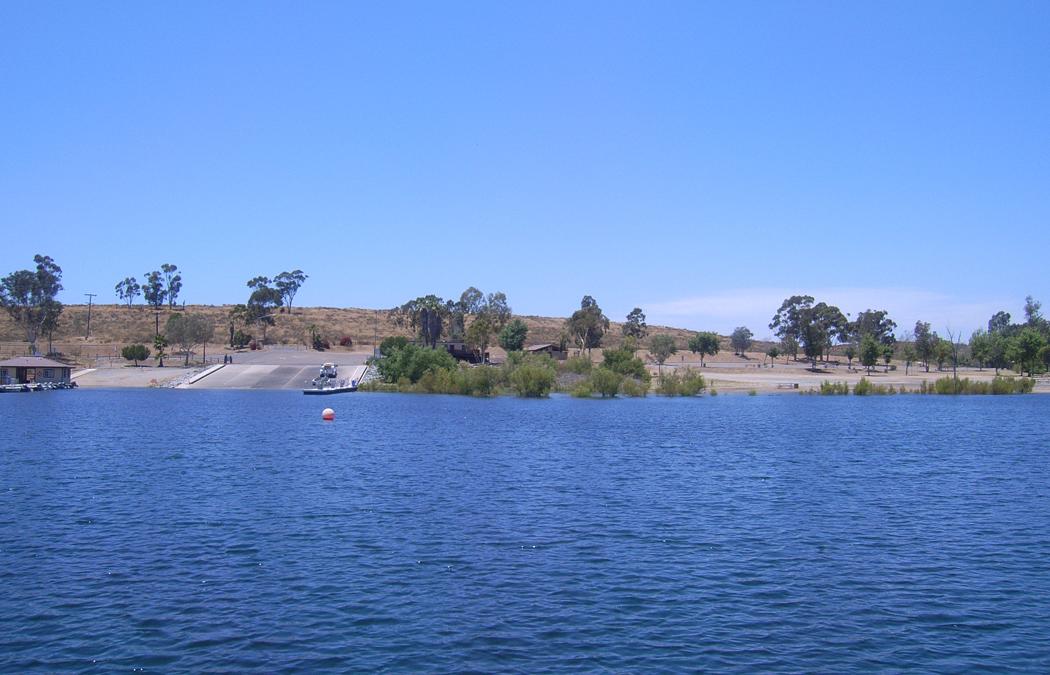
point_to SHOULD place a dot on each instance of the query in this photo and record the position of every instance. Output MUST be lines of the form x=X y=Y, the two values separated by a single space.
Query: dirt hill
x=113 y=326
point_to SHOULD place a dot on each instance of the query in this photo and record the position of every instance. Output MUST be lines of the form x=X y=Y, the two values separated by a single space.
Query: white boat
x=328 y=382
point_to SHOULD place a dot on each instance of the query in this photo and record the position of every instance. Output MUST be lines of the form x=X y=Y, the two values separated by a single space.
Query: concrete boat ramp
x=274 y=368
x=249 y=376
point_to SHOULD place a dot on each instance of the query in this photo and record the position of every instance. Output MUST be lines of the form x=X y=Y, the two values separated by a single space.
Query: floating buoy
x=328 y=415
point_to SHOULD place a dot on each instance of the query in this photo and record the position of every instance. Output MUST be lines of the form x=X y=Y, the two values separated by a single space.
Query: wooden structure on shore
x=549 y=349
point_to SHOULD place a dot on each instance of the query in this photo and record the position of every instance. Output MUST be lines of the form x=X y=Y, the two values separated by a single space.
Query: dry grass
x=113 y=326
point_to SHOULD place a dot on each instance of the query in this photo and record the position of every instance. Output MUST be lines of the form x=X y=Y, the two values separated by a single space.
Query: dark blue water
x=183 y=531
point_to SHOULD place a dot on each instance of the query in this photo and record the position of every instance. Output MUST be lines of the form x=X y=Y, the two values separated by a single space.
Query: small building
x=32 y=370
x=554 y=351
x=461 y=351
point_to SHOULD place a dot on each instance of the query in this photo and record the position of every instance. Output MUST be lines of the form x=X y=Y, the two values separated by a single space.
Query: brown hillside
x=113 y=326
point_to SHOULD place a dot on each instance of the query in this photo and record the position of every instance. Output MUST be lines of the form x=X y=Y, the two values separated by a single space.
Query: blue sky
x=699 y=160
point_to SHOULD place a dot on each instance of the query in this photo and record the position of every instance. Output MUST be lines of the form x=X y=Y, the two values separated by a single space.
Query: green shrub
x=582 y=389
x=532 y=380
x=681 y=383
x=999 y=385
x=667 y=385
x=392 y=344
x=412 y=361
x=605 y=381
x=480 y=381
x=624 y=362
x=692 y=383
x=833 y=388
x=634 y=388
x=862 y=388
x=581 y=365
x=241 y=339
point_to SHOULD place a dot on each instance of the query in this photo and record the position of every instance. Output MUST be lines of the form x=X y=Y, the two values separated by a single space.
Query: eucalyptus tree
x=172 y=282
x=263 y=303
x=28 y=297
x=587 y=325
x=154 y=293
x=490 y=315
x=288 y=284
x=128 y=289
x=425 y=315
x=635 y=326
x=875 y=323
x=789 y=321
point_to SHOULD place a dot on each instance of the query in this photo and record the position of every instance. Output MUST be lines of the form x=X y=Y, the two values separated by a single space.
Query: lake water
x=188 y=530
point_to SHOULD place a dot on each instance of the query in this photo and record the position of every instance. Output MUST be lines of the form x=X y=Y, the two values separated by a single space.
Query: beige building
x=33 y=369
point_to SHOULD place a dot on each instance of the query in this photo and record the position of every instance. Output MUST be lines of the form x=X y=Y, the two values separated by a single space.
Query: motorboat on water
x=328 y=382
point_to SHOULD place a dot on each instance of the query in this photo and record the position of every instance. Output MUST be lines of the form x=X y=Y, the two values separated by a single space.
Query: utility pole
x=375 y=336
x=87 y=333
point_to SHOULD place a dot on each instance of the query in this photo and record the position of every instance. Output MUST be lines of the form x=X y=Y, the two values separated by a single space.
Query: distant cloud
x=754 y=307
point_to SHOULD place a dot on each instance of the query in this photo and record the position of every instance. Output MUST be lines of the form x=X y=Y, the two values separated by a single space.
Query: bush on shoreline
x=944 y=386
x=688 y=383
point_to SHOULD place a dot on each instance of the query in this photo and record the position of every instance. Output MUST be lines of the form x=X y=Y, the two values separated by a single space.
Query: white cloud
x=754 y=307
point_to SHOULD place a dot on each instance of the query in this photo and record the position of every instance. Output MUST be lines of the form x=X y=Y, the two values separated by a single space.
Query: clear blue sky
x=699 y=160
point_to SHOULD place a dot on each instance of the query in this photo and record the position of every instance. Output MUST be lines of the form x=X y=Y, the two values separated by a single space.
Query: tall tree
x=425 y=315
x=741 y=339
x=925 y=343
x=172 y=283
x=634 y=326
x=128 y=289
x=288 y=284
x=833 y=323
x=588 y=325
x=490 y=315
x=704 y=343
x=789 y=320
x=154 y=294
x=28 y=296
x=999 y=322
x=262 y=304
x=1032 y=314
x=875 y=323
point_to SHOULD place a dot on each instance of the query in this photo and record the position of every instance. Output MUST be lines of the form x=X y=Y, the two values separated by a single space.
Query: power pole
x=87 y=333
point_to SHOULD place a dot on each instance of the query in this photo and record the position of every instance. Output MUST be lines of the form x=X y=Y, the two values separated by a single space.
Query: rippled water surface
x=186 y=530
